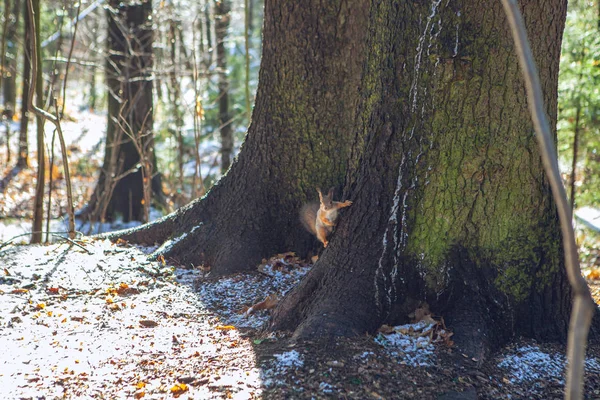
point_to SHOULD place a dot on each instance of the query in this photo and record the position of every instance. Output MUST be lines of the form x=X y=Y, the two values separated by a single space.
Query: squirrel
x=320 y=218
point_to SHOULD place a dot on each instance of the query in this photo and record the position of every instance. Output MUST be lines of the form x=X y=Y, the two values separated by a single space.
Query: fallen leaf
x=178 y=389
x=225 y=328
x=386 y=329
x=147 y=323
x=594 y=274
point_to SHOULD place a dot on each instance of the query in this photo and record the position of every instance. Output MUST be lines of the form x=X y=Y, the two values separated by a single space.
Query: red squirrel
x=320 y=218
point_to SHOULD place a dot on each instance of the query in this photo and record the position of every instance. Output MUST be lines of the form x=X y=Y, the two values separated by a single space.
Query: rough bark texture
x=451 y=205
x=9 y=75
x=222 y=9
x=129 y=82
x=23 y=156
x=436 y=147
x=312 y=58
x=38 y=206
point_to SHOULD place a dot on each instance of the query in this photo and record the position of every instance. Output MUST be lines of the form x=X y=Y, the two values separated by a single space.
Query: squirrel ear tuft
x=330 y=194
x=320 y=194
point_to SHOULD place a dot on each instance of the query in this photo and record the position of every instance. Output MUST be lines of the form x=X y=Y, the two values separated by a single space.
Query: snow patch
x=530 y=364
x=415 y=351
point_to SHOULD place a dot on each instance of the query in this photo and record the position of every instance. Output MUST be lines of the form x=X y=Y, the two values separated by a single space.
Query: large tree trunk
x=436 y=149
x=120 y=188
x=451 y=205
x=299 y=139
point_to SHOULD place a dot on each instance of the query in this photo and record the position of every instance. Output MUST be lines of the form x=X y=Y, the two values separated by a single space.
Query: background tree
x=38 y=206
x=129 y=161
x=579 y=124
x=9 y=63
x=222 y=9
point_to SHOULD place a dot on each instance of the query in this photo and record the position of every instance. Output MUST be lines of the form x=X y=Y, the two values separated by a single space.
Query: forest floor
x=93 y=319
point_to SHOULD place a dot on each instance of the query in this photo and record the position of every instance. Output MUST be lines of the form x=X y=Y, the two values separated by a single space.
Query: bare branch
x=583 y=307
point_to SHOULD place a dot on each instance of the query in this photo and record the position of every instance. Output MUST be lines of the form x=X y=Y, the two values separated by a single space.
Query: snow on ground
x=532 y=365
x=410 y=343
x=105 y=322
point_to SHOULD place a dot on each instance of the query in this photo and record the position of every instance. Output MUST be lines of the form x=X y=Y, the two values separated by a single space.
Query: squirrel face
x=326 y=201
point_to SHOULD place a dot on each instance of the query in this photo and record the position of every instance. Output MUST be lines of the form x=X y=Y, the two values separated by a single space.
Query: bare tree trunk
x=175 y=94
x=38 y=208
x=575 y=155
x=9 y=65
x=23 y=156
x=222 y=9
x=129 y=162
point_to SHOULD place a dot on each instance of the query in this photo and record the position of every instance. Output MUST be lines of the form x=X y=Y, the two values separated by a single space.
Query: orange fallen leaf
x=594 y=274
x=40 y=306
x=178 y=389
x=17 y=291
x=225 y=328
x=140 y=385
x=139 y=395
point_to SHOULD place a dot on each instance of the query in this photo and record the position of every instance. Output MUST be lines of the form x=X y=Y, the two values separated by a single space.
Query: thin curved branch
x=583 y=307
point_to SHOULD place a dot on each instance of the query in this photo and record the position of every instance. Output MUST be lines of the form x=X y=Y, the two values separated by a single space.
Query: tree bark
x=222 y=9
x=120 y=188
x=9 y=58
x=23 y=153
x=464 y=217
x=38 y=206
x=291 y=146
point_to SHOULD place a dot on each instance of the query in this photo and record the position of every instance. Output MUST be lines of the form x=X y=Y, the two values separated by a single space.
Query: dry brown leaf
x=385 y=329
x=148 y=323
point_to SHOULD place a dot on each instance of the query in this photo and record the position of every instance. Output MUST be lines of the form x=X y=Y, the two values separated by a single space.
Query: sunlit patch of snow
x=415 y=351
x=87 y=341
x=530 y=364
